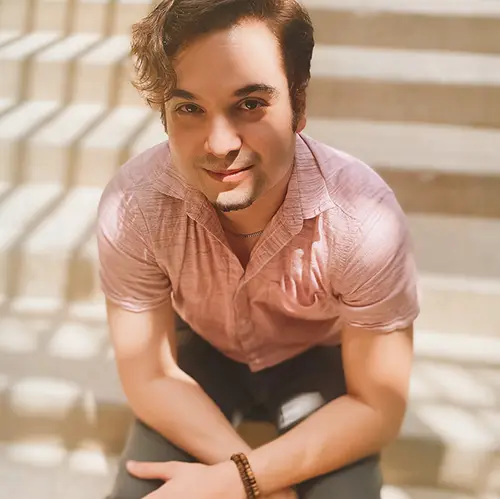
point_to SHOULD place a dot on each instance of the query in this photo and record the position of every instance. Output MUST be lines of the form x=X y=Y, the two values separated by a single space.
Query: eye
x=251 y=105
x=189 y=109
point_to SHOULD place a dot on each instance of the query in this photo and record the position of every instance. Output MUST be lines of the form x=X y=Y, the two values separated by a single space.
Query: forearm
x=178 y=408
x=339 y=433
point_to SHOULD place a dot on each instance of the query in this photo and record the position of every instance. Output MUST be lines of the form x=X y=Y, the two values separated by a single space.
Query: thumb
x=149 y=470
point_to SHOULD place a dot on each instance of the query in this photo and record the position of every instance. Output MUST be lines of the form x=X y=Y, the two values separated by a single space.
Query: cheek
x=273 y=140
x=183 y=143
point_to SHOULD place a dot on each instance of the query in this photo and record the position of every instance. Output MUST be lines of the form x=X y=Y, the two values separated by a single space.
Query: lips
x=225 y=173
x=230 y=176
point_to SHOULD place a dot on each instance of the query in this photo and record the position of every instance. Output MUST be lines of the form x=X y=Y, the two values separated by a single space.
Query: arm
x=142 y=330
x=141 y=321
x=160 y=393
x=378 y=301
x=361 y=423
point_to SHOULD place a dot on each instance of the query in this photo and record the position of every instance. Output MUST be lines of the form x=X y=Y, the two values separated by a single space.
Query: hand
x=188 y=480
x=191 y=480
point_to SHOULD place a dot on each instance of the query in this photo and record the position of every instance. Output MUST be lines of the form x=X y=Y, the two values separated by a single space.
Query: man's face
x=230 y=118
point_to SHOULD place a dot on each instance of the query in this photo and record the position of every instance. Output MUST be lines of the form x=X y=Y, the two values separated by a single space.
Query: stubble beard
x=230 y=201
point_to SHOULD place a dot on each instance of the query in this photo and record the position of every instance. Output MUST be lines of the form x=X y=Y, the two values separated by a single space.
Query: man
x=290 y=262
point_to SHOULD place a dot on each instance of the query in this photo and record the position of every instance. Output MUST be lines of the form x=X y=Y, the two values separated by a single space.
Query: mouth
x=229 y=175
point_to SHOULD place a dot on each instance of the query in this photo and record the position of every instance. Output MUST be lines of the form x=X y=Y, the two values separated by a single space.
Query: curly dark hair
x=173 y=24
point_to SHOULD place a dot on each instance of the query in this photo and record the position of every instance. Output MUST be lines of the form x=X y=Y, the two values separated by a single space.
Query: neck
x=256 y=217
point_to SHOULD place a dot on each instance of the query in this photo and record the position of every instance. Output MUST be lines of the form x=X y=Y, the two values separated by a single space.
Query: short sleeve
x=379 y=284
x=129 y=273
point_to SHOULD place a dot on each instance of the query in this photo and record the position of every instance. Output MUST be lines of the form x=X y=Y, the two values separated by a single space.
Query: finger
x=149 y=470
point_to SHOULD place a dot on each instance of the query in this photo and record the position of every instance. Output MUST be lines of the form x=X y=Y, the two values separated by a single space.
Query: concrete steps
x=410 y=87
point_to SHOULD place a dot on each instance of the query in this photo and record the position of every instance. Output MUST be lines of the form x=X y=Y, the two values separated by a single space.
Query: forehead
x=218 y=63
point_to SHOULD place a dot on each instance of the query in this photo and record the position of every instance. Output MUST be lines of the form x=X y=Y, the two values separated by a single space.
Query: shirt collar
x=307 y=195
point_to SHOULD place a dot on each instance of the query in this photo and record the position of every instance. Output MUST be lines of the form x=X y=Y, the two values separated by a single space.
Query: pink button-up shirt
x=337 y=252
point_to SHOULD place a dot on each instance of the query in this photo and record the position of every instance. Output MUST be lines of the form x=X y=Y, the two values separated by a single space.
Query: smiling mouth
x=229 y=175
x=232 y=172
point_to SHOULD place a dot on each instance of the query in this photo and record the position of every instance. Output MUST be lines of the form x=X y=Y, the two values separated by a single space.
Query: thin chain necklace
x=245 y=236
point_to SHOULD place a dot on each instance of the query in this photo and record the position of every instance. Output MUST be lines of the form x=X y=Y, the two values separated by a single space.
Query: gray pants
x=284 y=395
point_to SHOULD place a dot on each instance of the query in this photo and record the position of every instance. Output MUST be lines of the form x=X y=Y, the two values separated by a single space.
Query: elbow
x=392 y=423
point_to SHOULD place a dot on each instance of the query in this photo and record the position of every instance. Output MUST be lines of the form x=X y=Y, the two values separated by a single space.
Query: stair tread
x=8 y=35
x=67 y=224
x=27 y=45
x=115 y=131
x=68 y=125
x=152 y=134
x=68 y=47
x=21 y=207
x=112 y=49
x=25 y=117
x=5 y=104
x=413 y=146
x=406 y=66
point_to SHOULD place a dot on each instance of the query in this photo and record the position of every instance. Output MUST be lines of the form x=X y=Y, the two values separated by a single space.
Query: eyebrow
x=256 y=87
x=241 y=92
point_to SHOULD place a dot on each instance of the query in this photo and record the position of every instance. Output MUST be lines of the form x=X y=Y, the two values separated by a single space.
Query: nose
x=222 y=138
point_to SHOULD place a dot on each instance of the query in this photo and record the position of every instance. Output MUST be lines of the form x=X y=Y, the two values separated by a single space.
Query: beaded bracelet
x=247 y=476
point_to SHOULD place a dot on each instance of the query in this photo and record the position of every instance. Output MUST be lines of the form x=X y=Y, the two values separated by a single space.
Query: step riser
x=16 y=15
x=53 y=15
x=50 y=277
x=411 y=102
x=421 y=32
x=442 y=193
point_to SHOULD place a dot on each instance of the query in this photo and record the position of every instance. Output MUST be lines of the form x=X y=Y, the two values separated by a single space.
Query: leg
x=218 y=376
x=361 y=480
x=299 y=387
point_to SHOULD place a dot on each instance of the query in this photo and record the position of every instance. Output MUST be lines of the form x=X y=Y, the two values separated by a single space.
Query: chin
x=233 y=201
x=228 y=208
